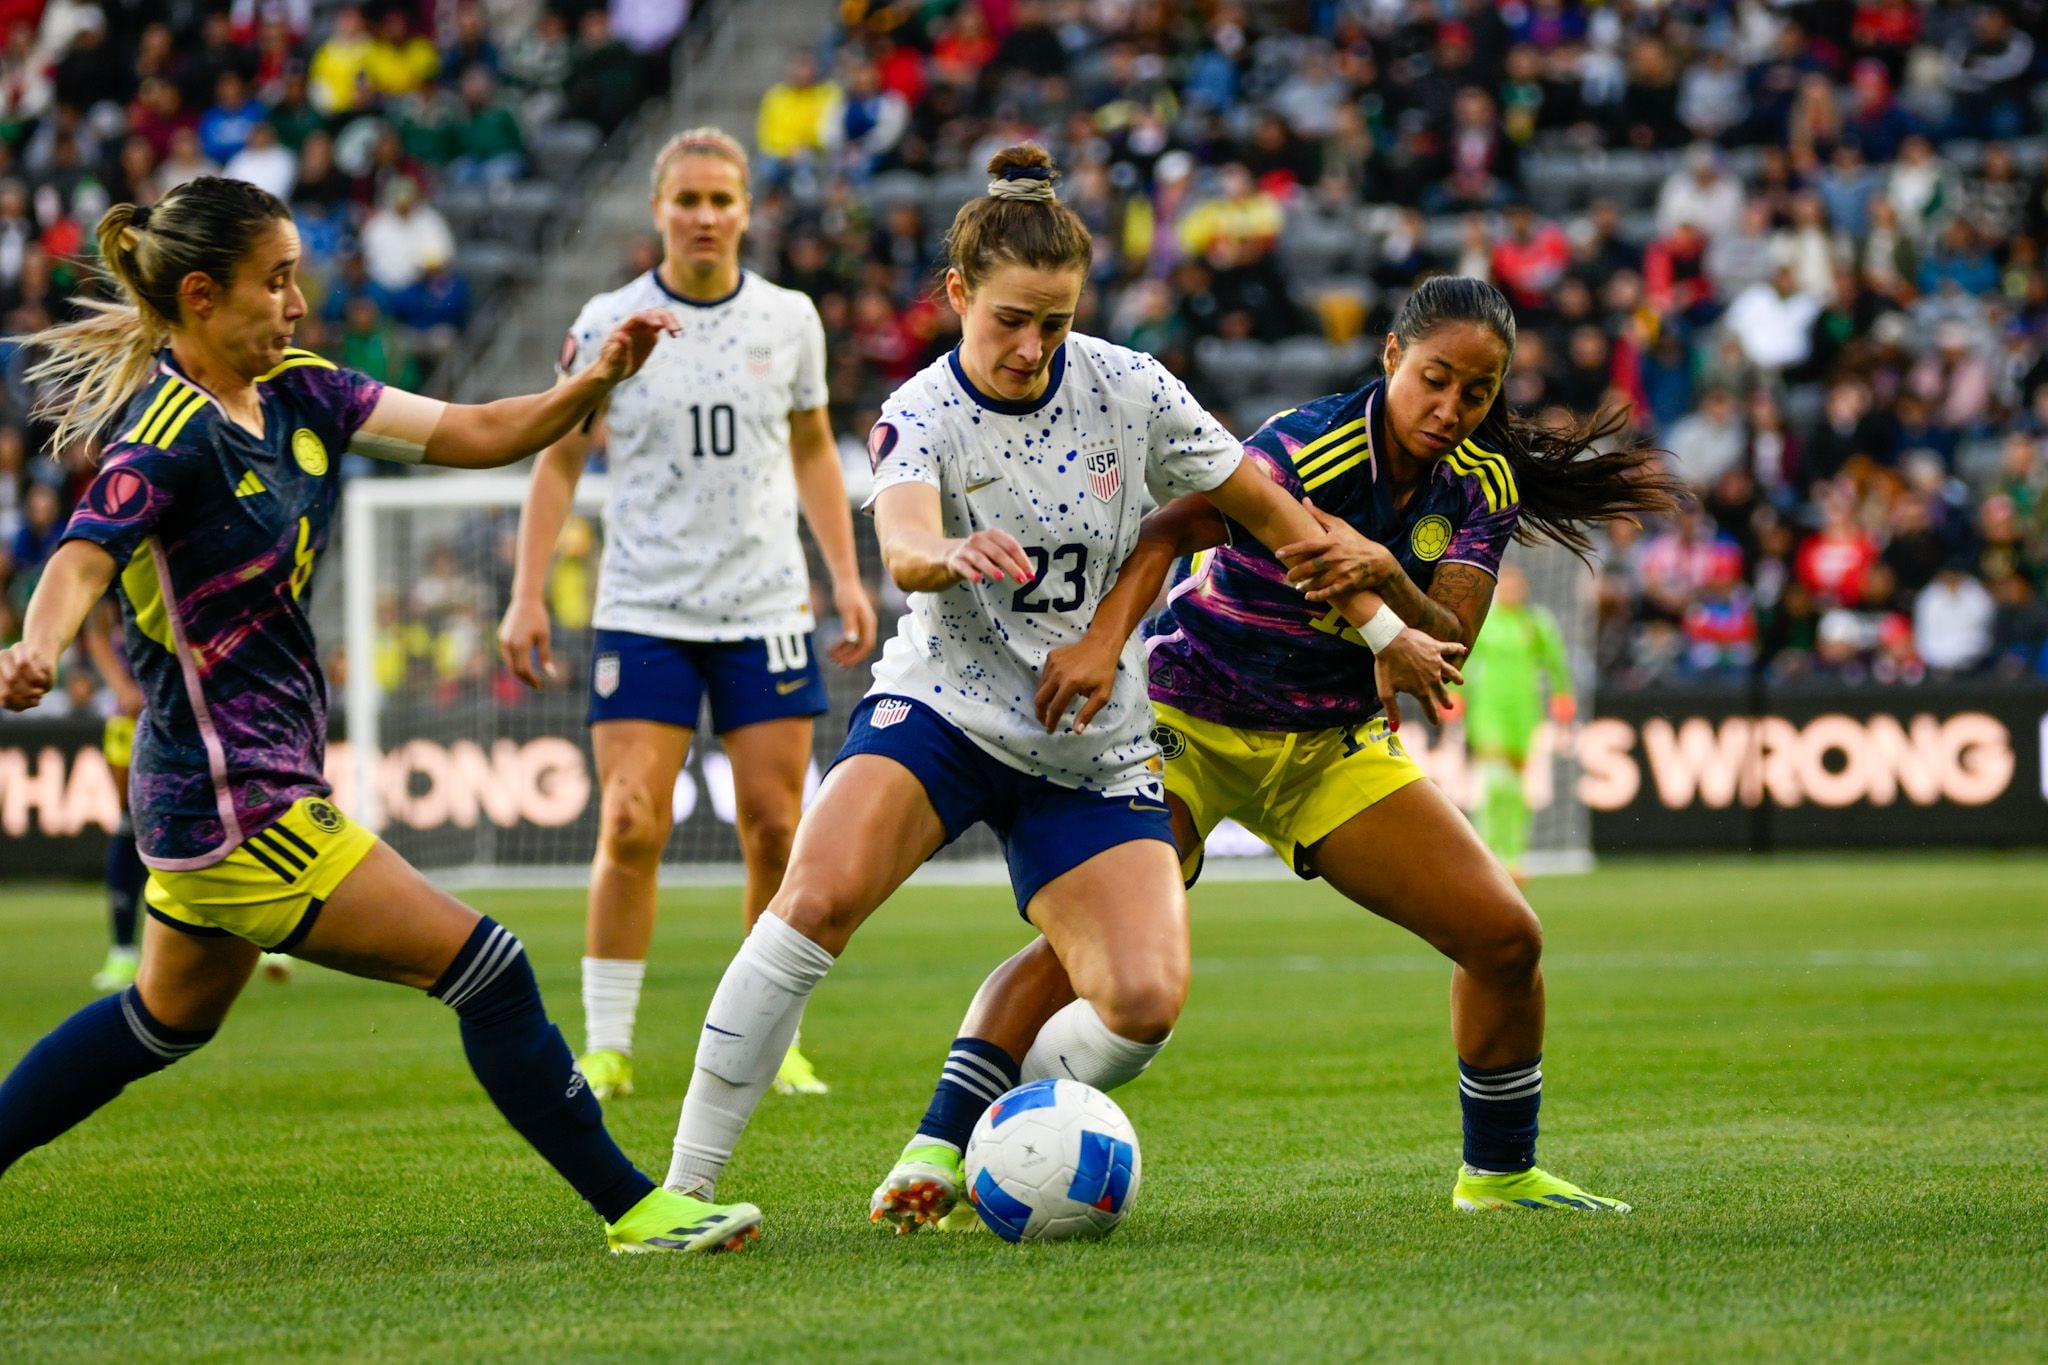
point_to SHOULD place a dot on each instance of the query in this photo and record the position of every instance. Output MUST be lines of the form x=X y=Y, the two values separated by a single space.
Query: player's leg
x=872 y=825
x=386 y=921
x=1412 y=858
x=637 y=763
x=182 y=992
x=125 y=873
x=1503 y=807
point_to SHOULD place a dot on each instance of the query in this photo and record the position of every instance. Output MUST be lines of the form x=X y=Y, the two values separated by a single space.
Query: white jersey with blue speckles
x=700 y=537
x=1068 y=475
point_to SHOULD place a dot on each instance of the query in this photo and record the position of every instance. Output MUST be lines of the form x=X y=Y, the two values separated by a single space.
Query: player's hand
x=990 y=555
x=524 y=645
x=856 y=624
x=1084 y=671
x=1336 y=562
x=24 y=677
x=632 y=341
x=1422 y=666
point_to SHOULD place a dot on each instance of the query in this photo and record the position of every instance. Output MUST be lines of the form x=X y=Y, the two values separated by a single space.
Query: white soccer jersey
x=1066 y=474
x=700 y=537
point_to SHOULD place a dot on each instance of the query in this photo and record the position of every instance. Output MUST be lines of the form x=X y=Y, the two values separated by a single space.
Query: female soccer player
x=1420 y=479
x=1006 y=494
x=1513 y=664
x=213 y=499
x=703 y=587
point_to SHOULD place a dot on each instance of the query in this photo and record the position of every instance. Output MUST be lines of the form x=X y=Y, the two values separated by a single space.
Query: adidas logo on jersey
x=250 y=485
x=888 y=712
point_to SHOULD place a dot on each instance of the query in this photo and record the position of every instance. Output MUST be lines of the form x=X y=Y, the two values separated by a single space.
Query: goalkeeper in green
x=1516 y=662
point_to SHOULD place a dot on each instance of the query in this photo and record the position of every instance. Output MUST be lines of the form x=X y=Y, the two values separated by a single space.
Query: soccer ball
x=1052 y=1160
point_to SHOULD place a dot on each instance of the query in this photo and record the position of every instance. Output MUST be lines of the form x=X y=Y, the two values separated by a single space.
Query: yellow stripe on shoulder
x=176 y=423
x=1473 y=469
x=175 y=414
x=1504 y=470
x=294 y=357
x=1357 y=445
x=1306 y=455
x=164 y=397
x=1310 y=485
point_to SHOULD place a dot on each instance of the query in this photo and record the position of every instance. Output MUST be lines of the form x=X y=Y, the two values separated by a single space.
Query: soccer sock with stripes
x=611 y=1002
x=753 y=1016
x=125 y=876
x=976 y=1075
x=527 y=1070
x=1076 y=1044
x=80 y=1065
x=1500 y=1106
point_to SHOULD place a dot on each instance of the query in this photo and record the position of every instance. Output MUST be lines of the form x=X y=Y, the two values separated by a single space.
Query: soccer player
x=124 y=870
x=1518 y=658
x=1006 y=478
x=703 y=589
x=1419 y=481
x=215 y=495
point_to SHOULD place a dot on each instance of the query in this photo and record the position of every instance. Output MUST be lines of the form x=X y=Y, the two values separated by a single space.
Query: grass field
x=1823 y=1083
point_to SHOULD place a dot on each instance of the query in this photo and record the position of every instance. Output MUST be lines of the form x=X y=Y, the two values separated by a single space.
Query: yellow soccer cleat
x=667 y=1221
x=610 y=1073
x=796 y=1075
x=923 y=1187
x=1531 y=1189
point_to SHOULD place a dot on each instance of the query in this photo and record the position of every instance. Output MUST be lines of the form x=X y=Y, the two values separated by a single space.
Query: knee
x=1508 y=949
x=634 y=825
x=1143 y=1005
x=766 y=836
x=823 y=913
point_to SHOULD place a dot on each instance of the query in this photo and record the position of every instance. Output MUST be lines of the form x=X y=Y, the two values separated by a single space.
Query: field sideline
x=1823 y=1082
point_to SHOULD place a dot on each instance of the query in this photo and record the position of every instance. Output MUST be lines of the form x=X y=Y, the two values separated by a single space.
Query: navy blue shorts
x=1046 y=830
x=646 y=677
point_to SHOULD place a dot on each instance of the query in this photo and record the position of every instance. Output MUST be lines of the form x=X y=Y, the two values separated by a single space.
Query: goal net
x=478 y=780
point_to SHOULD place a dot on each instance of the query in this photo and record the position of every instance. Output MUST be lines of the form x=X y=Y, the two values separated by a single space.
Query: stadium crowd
x=423 y=147
x=1801 y=241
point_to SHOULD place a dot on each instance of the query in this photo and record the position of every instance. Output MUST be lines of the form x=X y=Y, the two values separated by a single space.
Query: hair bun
x=1023 y=182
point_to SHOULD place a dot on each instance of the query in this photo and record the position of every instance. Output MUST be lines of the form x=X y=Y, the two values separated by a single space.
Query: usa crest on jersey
x=604 y=679
x=889 y=711
x=1105 y=473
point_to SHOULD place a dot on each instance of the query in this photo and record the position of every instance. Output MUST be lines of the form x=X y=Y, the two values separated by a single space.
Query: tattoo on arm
x=1431 y=617
x=1464 y=592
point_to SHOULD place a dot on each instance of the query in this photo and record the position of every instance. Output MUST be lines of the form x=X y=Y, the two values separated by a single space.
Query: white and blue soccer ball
x=1052 y=1160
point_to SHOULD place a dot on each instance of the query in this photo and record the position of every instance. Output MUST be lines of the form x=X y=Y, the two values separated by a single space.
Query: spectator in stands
x=1744 y=256
x=1991 y=71
x=1952 y=620
x=869 y=122
x=1920 y=187
x=604 y=81
x=1708 y=443
x=1481 y=168
x=261 y=161
x=437 y=304
x=225 y=126
x=1700 y=193
x=490 y=147
x=402 y=236
x=1679 y=562
x=25 y=86
x=1851 y=437
x=399 y=61
x=1834 y=562
x=92 y=69
x=1954 y=379
x=1774 y=322
x=471 y=46
x=1530 y=259
x=185 y=161
x=2019 y=628
x=1711 y=97
x=338 y=80
x=370 y=344
x=537 y=65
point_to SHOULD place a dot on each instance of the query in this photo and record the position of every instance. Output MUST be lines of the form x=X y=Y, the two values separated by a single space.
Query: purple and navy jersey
x=1237 y=645
x=216 y=531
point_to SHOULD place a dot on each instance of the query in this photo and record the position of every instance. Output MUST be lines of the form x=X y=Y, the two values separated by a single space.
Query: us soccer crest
x=1105 y=473
x=604 y=677
x=759 y=358
x=888 y=712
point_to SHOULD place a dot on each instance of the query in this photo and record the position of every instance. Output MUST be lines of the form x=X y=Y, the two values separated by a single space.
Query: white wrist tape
x=1382 y=629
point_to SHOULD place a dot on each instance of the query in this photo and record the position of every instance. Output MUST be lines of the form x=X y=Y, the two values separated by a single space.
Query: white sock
x=754 y=1013
x=611 y=1002
x=1075 y=1043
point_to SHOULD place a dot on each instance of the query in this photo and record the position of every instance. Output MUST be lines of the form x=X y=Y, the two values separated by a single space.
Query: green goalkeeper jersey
x=1518 y=659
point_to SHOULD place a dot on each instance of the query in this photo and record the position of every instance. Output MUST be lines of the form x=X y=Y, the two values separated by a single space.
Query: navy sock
x=125 y=876
x=975 y=1076
x=1500 y=1114
x=80 y=1065
x=527 y=1069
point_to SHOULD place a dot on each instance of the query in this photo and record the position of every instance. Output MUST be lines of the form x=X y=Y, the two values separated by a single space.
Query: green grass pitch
x=1823 y=1083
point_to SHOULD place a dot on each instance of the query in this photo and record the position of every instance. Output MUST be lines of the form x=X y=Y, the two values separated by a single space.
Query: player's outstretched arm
x=524 y=634
x=405 y=426
x=76 y=577
x=1085 y=671
x=821 y=489
x=921 y=557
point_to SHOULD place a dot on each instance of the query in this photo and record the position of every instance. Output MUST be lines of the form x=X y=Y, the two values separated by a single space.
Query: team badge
x=604 y=675
x=1172 y=743
x=881 y=441
x=759 y=358
x=325 y=818
x=1431 y=537
x=1105 y=473
x=309 y=452
x=890 y=711
x=120 y=495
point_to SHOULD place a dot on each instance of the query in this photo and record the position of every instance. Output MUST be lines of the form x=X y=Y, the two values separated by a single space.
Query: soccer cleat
x=276 y=967
x=796 y=1075
x=923 y=1187
x=1530 y=1189
x=117 y=973
x=964 y=1218
x=610 y=1073
x=667 y=1221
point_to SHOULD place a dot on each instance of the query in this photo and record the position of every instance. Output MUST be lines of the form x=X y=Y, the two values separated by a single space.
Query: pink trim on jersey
x=1174 y=594
x=216 y=753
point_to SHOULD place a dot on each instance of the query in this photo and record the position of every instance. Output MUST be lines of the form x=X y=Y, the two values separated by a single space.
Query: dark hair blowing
x=1020 y=221
x=89 y=368
x=1565 y=482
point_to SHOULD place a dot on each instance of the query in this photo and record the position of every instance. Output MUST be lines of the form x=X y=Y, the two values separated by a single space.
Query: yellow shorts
x=117 y=741
x=1289 y=789
x=270 y=889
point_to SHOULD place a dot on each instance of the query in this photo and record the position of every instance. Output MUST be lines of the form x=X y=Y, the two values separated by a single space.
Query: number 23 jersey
x=1066 y=474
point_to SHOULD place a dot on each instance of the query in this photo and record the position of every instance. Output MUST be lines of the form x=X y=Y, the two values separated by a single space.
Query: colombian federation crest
x=604 y=675
x=1431 y=537
x=310 y=452
x=889 y=711
x=1105 y=473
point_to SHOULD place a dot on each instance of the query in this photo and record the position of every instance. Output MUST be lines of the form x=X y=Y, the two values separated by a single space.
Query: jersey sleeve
x=348 y=396
x=136 y=485
x=902 y=448
x=1482 y=535
x=1265 y=452
x=808 y=390
x=580 y=346
x=1186 y=450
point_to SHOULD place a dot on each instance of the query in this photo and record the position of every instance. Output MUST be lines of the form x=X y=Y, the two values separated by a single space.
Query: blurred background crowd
x=1801 y=242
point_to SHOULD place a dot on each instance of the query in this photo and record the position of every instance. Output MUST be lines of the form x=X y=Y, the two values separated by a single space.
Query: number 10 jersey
x=1068 y=475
